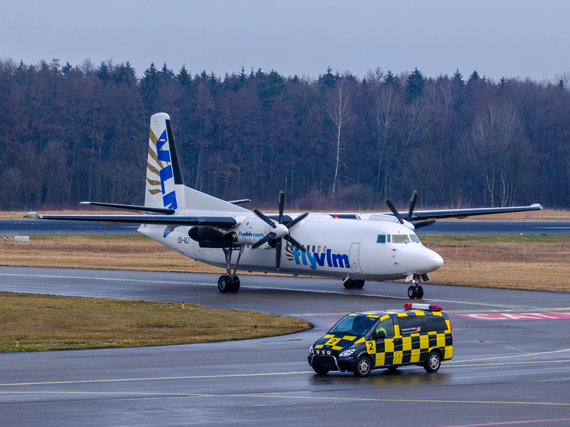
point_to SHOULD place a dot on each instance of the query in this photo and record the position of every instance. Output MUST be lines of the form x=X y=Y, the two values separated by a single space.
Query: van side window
x=410 y=325
x=386 y=326
x=433 y=324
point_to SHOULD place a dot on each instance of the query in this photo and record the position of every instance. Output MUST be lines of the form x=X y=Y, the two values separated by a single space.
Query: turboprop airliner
x=355 y=247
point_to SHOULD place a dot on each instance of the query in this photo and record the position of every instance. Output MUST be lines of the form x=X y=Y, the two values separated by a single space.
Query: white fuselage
x=335 y=248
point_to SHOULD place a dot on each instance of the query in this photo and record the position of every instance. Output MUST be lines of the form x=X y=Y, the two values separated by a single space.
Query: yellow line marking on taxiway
x=269 y=396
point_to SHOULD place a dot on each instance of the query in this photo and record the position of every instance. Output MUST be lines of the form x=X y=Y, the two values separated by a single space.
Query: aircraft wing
x=211 y=221
x=464 y=213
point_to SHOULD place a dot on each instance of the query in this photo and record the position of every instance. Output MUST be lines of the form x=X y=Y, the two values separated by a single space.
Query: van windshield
x=354 y=325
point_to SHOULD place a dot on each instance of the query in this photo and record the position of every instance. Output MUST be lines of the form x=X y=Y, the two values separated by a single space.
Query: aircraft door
x=354 y=258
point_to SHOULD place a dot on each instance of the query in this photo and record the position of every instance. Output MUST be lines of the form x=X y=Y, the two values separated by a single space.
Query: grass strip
x=49 y=322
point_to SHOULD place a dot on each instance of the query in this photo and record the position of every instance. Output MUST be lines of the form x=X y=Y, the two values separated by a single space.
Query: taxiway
x=513 y=369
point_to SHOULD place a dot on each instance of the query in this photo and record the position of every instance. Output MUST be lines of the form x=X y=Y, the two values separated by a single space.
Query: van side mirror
x=379 y=335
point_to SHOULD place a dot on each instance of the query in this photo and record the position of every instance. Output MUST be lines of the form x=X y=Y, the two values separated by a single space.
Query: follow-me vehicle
x=359 y=342
x=353 y=247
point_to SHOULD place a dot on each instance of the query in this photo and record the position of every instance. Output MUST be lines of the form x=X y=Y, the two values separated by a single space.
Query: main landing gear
x=353 y=284
x=230 y=282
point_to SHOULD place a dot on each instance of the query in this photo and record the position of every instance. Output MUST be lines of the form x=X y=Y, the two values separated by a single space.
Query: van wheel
x=433 y=362
x=363 y=367
x=321 y=371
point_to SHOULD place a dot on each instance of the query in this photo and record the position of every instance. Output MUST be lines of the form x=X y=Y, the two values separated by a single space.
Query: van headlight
x=346 y=353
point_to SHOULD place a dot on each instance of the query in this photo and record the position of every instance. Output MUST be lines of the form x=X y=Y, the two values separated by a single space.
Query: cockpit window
x=381 y=238
x=400 y=238
x=415 y=238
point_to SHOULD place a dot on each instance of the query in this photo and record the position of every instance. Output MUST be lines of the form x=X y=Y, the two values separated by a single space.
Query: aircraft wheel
x=358 y=284
x=348 y=284
x=235 y=284
x=412 y=292
x=224 y=284
x=419 y=292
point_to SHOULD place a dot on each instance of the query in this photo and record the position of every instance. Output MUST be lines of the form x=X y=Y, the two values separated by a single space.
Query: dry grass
x=513 y=262
x=48 y=322
x=99 y=251
x=538 y=262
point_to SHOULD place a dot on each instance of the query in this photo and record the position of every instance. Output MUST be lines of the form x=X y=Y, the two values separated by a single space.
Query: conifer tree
x=415 y=84
x=458 y=78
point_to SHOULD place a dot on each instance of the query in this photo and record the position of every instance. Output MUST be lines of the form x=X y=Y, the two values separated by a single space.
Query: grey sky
x=496 y=38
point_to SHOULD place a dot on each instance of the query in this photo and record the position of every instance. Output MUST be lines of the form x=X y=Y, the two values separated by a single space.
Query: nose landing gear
x=415 y=290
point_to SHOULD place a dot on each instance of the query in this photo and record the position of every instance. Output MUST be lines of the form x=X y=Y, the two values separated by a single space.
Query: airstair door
x=354 y=258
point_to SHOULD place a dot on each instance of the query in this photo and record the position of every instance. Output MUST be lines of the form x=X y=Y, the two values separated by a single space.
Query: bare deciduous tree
x=339 y=114
x=495 y=148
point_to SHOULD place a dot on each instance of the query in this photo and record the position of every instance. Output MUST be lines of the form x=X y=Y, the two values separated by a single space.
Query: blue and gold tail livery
x=164 y=182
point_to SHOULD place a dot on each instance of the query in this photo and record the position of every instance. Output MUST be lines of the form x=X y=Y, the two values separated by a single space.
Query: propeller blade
x=264 y=218
x=297 y=220
x=294 y=243
x=421 y=224
x=394 y=211
x=266 y=239
x=278 y=253
x=281 y=203
x=412 y=205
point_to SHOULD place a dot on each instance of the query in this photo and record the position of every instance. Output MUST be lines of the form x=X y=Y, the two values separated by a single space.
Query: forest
x=334 y=141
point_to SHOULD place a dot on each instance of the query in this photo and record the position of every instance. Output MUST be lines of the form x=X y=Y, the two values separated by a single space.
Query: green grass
x=49 y=322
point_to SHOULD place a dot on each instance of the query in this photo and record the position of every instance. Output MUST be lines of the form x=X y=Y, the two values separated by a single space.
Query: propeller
x=394 y=211
x=410 y=217
x=281 y=231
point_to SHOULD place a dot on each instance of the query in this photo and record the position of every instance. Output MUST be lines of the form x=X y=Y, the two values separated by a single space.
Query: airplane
x=354 y=247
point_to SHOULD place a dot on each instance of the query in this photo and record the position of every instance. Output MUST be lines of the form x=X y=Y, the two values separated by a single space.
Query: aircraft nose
x=434 y=261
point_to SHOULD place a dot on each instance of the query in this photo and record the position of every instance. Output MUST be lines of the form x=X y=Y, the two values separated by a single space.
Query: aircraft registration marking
x=515 y=316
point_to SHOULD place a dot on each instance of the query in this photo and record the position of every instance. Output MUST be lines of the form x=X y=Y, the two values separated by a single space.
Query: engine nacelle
x=208 y=237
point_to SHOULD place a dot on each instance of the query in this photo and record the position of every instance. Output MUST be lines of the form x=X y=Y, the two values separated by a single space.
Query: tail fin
x=164 y=182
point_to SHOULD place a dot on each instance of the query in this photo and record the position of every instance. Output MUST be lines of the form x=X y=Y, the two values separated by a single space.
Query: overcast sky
x=514 y=38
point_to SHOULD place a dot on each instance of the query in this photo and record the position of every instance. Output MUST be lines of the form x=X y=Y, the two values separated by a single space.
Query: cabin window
x=313 y=248
x=414 y=238
x=400 y=238
x=319 y=249
x=325 y=249
x=381 y=238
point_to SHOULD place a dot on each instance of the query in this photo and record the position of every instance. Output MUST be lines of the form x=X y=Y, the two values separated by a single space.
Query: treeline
x=338 y=141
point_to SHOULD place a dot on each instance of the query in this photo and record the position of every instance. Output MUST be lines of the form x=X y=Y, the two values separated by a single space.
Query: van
x=360 y=342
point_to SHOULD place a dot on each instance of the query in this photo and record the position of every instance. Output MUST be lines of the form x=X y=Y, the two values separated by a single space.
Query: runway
x=28 y=226
x=516 y=369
